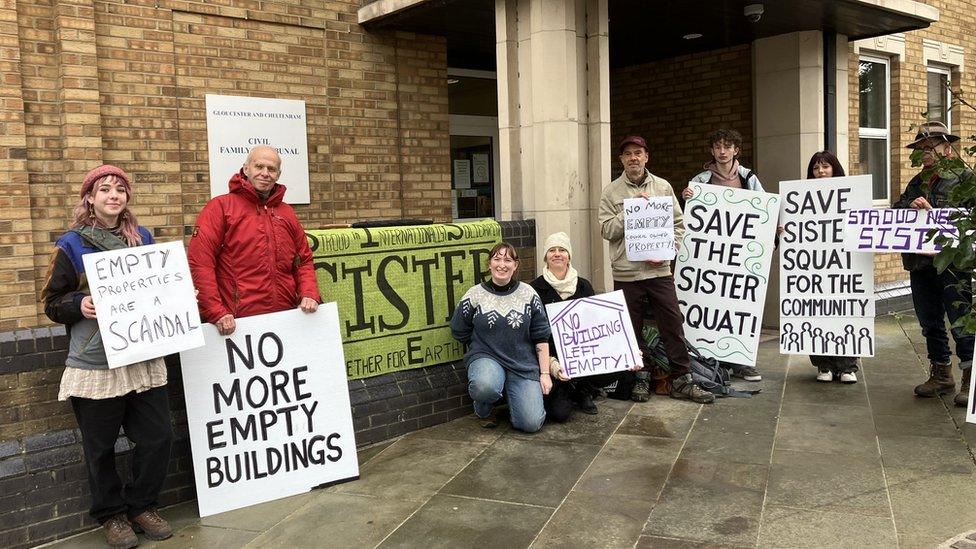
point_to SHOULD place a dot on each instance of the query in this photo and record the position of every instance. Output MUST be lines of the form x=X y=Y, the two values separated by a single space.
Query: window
x=873 y=131
x=939 y=98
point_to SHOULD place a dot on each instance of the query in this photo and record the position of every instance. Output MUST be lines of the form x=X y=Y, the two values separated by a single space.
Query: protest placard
x=722 y=269
x=826 y=293
x=971 y=408
x=397 y=288
x=593 y=335
x=268 y=409
x=649 y=228
x=144 y=301
x=901 y=230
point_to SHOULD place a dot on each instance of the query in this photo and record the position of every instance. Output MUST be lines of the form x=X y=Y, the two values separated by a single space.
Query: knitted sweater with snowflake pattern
x=502 y=324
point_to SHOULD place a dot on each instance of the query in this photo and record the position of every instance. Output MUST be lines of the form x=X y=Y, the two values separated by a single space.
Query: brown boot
x=152 y=525
x=962 y=399
x=118 y=533
x=940 y=381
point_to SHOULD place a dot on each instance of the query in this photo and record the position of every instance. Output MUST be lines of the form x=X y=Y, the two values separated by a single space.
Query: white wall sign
x=462 y=174
x=722 y=269
x=826 y=293
x=890 y=230
x=268 y=409
x=144 y=301
x=649 y=228
x=479 y=168
x=593 y=335
x=235 y=125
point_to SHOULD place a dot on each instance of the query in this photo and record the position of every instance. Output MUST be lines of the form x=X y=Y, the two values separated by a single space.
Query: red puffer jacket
x=249 y=258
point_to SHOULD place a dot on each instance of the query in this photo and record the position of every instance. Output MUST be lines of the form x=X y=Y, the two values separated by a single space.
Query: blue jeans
x=486 y=381
x=936 y=296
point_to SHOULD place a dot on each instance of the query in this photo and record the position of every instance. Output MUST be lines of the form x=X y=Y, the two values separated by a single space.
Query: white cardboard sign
x=236 y=124
x=901 y=230
x=144 y=301
x=649 y=228
x=268 y=409
x=826 y=293
x=593 y=335
x=722 y=270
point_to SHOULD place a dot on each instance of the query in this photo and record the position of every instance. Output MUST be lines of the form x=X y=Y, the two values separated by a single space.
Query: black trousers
x=658 y=296
x=146 y=419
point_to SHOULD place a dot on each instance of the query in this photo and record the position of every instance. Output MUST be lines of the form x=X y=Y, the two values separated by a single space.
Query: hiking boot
x=748 y=373
x=118 y=533
x=151 y=525
x=940 y=381
x=585 y=402
x=491 y=420
x=642 y=387
x=825 y=376
x=848 y=377
x=684 y=387
x=962 y=398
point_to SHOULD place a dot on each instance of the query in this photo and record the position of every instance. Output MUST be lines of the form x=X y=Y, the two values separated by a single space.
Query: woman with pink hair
x=133 y=397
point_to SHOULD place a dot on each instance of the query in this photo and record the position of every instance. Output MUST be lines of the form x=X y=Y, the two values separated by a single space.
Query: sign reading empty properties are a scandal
x=397 y=288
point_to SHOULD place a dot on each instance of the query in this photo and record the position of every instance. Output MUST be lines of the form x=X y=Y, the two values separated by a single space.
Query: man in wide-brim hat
x=937 y=295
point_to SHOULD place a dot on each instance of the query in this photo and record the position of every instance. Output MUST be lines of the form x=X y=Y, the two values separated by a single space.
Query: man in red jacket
x=248 y=254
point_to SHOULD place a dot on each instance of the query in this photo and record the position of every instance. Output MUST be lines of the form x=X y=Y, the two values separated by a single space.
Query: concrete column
x=789 y=125
x=554 y=119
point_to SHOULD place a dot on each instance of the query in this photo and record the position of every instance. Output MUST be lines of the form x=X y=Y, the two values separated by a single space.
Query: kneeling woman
x=559 y=282
x=133 y=397
x=504 y=325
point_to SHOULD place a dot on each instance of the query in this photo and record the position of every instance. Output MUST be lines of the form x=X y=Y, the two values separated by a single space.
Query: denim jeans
x=486 y=381
x=936 y=296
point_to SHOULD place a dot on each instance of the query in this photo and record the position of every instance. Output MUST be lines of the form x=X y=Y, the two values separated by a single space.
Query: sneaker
x=151 y=525
x=491 y=420
x=848 y=377
x=684 y=387
x=642 y=387
x=119 y=533
x=748 y=373
x=825 y=376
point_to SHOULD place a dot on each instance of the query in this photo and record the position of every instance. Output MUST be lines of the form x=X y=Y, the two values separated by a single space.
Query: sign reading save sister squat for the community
x=722 y=269
x=397 y=288
x=593 y=335
x=144 y=302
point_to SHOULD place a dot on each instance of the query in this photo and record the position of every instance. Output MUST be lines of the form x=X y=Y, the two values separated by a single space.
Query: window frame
x=947 y=72
x=880 y=133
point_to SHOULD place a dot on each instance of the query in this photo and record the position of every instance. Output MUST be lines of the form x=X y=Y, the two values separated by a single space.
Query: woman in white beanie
x=559 y=282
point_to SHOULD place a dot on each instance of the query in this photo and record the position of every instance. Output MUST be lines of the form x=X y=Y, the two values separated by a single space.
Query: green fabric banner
x=397 y=287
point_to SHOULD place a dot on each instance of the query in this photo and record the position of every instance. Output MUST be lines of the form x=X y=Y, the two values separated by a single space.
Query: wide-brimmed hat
x=931 y=133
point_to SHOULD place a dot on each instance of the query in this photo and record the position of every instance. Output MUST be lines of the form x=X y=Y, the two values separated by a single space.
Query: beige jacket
x=612 y=224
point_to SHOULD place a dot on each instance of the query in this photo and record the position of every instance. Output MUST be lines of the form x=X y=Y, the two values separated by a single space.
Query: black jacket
x=548 y=295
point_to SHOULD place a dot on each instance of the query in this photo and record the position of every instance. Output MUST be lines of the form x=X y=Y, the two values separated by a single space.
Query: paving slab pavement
x=802 y=464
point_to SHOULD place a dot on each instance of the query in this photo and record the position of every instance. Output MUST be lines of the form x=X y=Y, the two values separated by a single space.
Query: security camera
x=753 y=12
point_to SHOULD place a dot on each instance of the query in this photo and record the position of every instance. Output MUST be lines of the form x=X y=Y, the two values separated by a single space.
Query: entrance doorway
x=473 y=107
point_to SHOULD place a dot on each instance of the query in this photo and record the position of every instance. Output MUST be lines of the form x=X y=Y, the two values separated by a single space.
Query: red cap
x=101 y=172
x=633 y=140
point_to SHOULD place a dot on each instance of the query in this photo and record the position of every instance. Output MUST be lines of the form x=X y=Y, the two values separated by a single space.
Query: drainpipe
x=830 y=90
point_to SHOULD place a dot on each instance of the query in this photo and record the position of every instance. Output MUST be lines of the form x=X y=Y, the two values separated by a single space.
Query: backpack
x=711 y=375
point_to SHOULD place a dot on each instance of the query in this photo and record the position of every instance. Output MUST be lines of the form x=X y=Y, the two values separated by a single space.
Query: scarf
x=730 y=179
x=565 y=287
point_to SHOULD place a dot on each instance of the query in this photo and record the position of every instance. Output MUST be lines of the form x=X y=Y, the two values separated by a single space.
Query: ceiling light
x=692 y=36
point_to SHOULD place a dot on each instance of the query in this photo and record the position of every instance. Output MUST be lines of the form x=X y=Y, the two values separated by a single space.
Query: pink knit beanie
x=101 y=172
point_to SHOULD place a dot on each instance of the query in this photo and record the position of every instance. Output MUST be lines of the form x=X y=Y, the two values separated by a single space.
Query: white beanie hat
x=561 y=240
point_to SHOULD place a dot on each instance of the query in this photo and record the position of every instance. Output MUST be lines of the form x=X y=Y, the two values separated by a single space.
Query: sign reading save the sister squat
x=268 y=409
x=397 y=287
x=144 y=302
x=649 y=228
x=593 y=335
x=826 y=293
x=723 y=268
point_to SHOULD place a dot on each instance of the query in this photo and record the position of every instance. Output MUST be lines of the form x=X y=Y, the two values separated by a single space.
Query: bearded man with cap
x=938 y=295
x=648 y=286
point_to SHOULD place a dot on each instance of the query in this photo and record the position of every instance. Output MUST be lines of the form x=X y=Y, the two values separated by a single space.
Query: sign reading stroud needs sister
x=901 y=230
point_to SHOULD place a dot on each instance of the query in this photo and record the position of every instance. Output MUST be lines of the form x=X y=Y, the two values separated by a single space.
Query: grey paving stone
x=466 y=429
x=824 y=528
x=927 y=454
x=654 y=542
x=712 y=501
x=669 y=426
x=834 y=413
x=594 y=520
x=258 y=518
x=816 y=481
x=413 y=468
x=812 y=434
x=931 y=505
x=808 y=390
x=451 y=522
x=206 y=536
x=339 y=520
x=741 y=445
x=580 y=429
x=516 y=470
x=924 y=425
x=633 y=467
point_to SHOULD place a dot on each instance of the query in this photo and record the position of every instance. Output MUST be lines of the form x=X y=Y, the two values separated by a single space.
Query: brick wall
x=908 y=103
x=675 y=103
x=43 y=480
x=123 y=82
